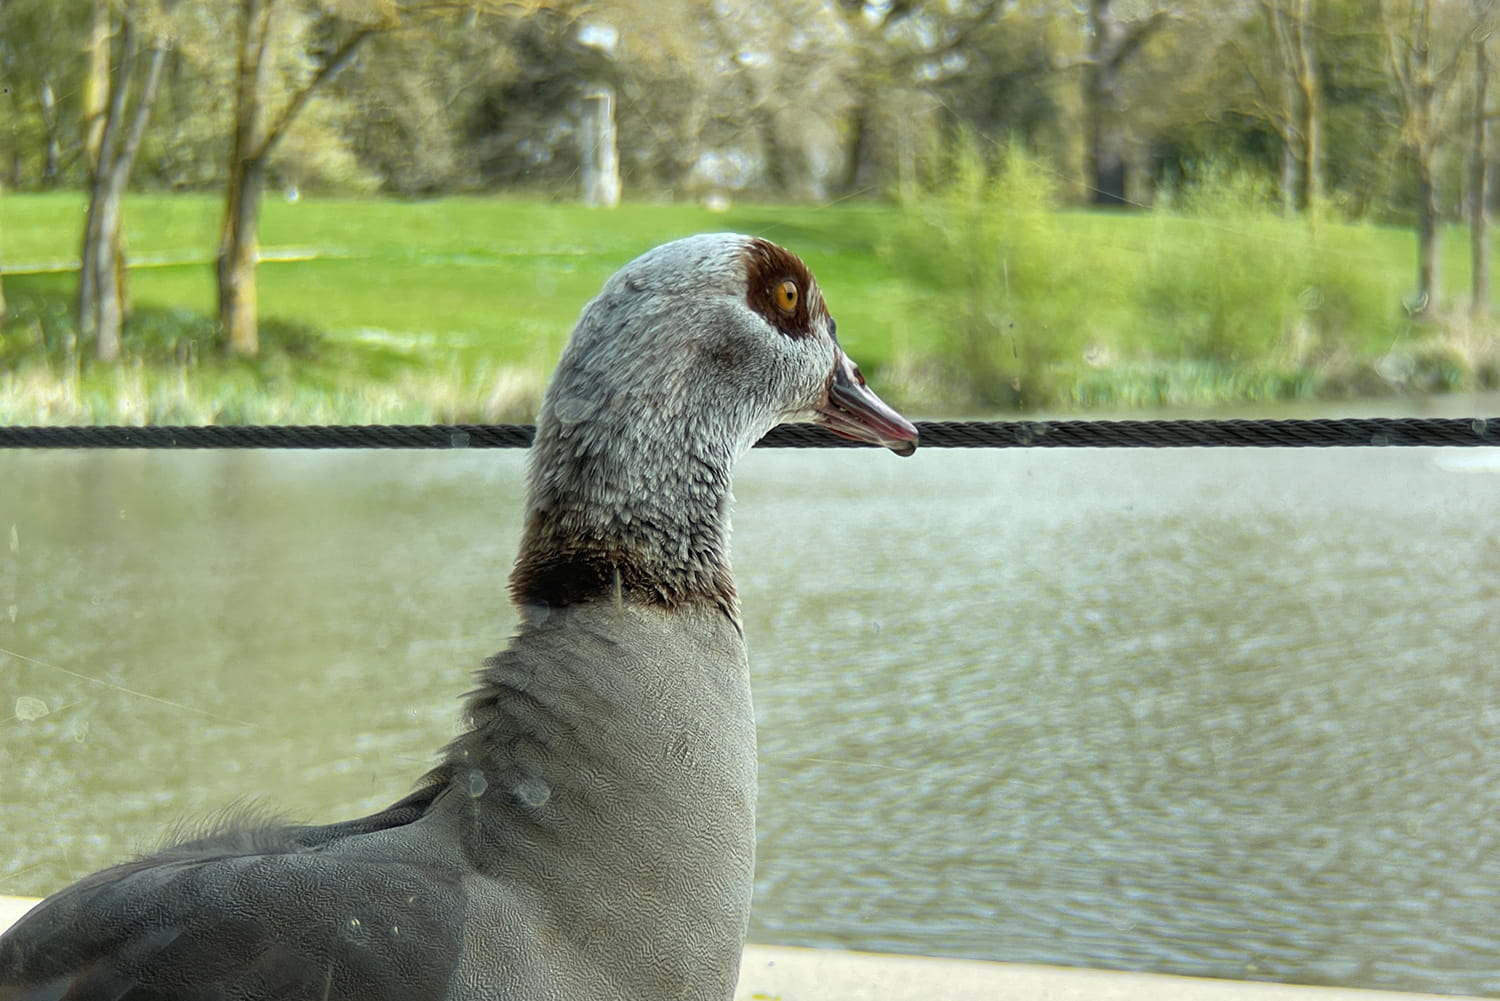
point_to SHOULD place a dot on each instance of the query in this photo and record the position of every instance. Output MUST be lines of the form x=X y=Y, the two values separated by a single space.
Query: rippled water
x=1210 y=712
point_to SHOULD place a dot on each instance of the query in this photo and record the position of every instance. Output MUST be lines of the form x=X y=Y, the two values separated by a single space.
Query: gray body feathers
x=591 y=837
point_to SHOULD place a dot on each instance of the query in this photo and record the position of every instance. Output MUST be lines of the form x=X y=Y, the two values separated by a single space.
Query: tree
x=899 y=48
x=96 y=81
x=711 y=97
x=786 y=89
x=1112 y=44
x=101 y=275
x=256 y=132
x=1425 y=49
x=875 y=71
x=1288 y=96
x=37 y=39
x=402 y=107
x=272 y=89
x=1486 y=15
x=39 y=44
x=524 y=123
x=1003 y=82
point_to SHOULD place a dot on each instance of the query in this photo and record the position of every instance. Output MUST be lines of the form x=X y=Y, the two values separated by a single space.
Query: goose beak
x=851 y=410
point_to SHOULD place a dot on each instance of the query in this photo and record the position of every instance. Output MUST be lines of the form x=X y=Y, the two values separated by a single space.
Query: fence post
x=601 y=158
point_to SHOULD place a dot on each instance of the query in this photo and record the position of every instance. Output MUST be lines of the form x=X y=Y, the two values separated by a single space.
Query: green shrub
x=1220 y=280
x=1234 y=283
x=1213 y=295
x=1009 y=300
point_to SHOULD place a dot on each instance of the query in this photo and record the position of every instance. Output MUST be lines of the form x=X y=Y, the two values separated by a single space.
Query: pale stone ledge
x=777 y=973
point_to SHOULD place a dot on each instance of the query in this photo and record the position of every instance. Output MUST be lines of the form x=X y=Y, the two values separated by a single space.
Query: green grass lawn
x=486 y=280
x=456 y=308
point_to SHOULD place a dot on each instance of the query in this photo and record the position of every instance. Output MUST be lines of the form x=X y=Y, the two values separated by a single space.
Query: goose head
x=724 y=335
x=688 y=355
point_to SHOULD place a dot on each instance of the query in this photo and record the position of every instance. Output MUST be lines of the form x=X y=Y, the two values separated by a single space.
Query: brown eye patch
x=781 y=289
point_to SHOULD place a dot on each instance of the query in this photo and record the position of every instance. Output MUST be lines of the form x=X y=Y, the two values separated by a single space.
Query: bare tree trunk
x=101 y=275
x=1424 y=99
x=1298 y=115
x=1423 y=79
x=53 y=155
x=857 y=174
x=1291 y=175
x=1104 y=107
x=250 y=147
x=100 y=309
x=238 y=237
x=1429 y=270
x=239 y=249
x=1111 y=47
x=681 y=153
x=783 y=160
x=96 y=83
x=4 y=311
x=906 y=158
x=1311 y=93
x=1479 y=229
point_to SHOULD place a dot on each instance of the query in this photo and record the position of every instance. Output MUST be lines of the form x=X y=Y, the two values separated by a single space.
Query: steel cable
x=1334 y=433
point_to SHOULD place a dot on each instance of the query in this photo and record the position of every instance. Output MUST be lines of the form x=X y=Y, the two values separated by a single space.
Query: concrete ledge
x=11 y=909
x=782 y=973
x=778 y=973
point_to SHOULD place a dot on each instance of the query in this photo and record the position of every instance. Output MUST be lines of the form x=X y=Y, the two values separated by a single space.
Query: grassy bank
x=982 y=298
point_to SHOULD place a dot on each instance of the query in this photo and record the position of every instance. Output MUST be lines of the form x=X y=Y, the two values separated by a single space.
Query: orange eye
x=787 y=294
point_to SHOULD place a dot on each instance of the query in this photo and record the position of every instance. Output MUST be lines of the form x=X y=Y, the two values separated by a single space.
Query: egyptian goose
x=591 y=835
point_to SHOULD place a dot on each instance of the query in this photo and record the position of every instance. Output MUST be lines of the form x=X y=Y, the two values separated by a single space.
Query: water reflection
x=1205 y=712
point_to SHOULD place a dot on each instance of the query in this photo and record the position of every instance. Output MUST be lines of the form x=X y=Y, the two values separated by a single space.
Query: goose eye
x=787 y=294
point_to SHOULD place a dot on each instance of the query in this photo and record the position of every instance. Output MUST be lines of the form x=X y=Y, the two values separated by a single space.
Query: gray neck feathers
x=630 y=472
x=614 y=514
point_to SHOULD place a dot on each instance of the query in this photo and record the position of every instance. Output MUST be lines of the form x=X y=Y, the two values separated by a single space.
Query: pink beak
x=849 y=409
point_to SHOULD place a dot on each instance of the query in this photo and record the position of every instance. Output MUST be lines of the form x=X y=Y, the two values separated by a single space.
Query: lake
x=1229 y=713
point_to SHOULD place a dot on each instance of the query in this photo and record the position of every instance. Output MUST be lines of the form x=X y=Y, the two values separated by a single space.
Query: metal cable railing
x=1335 y=433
